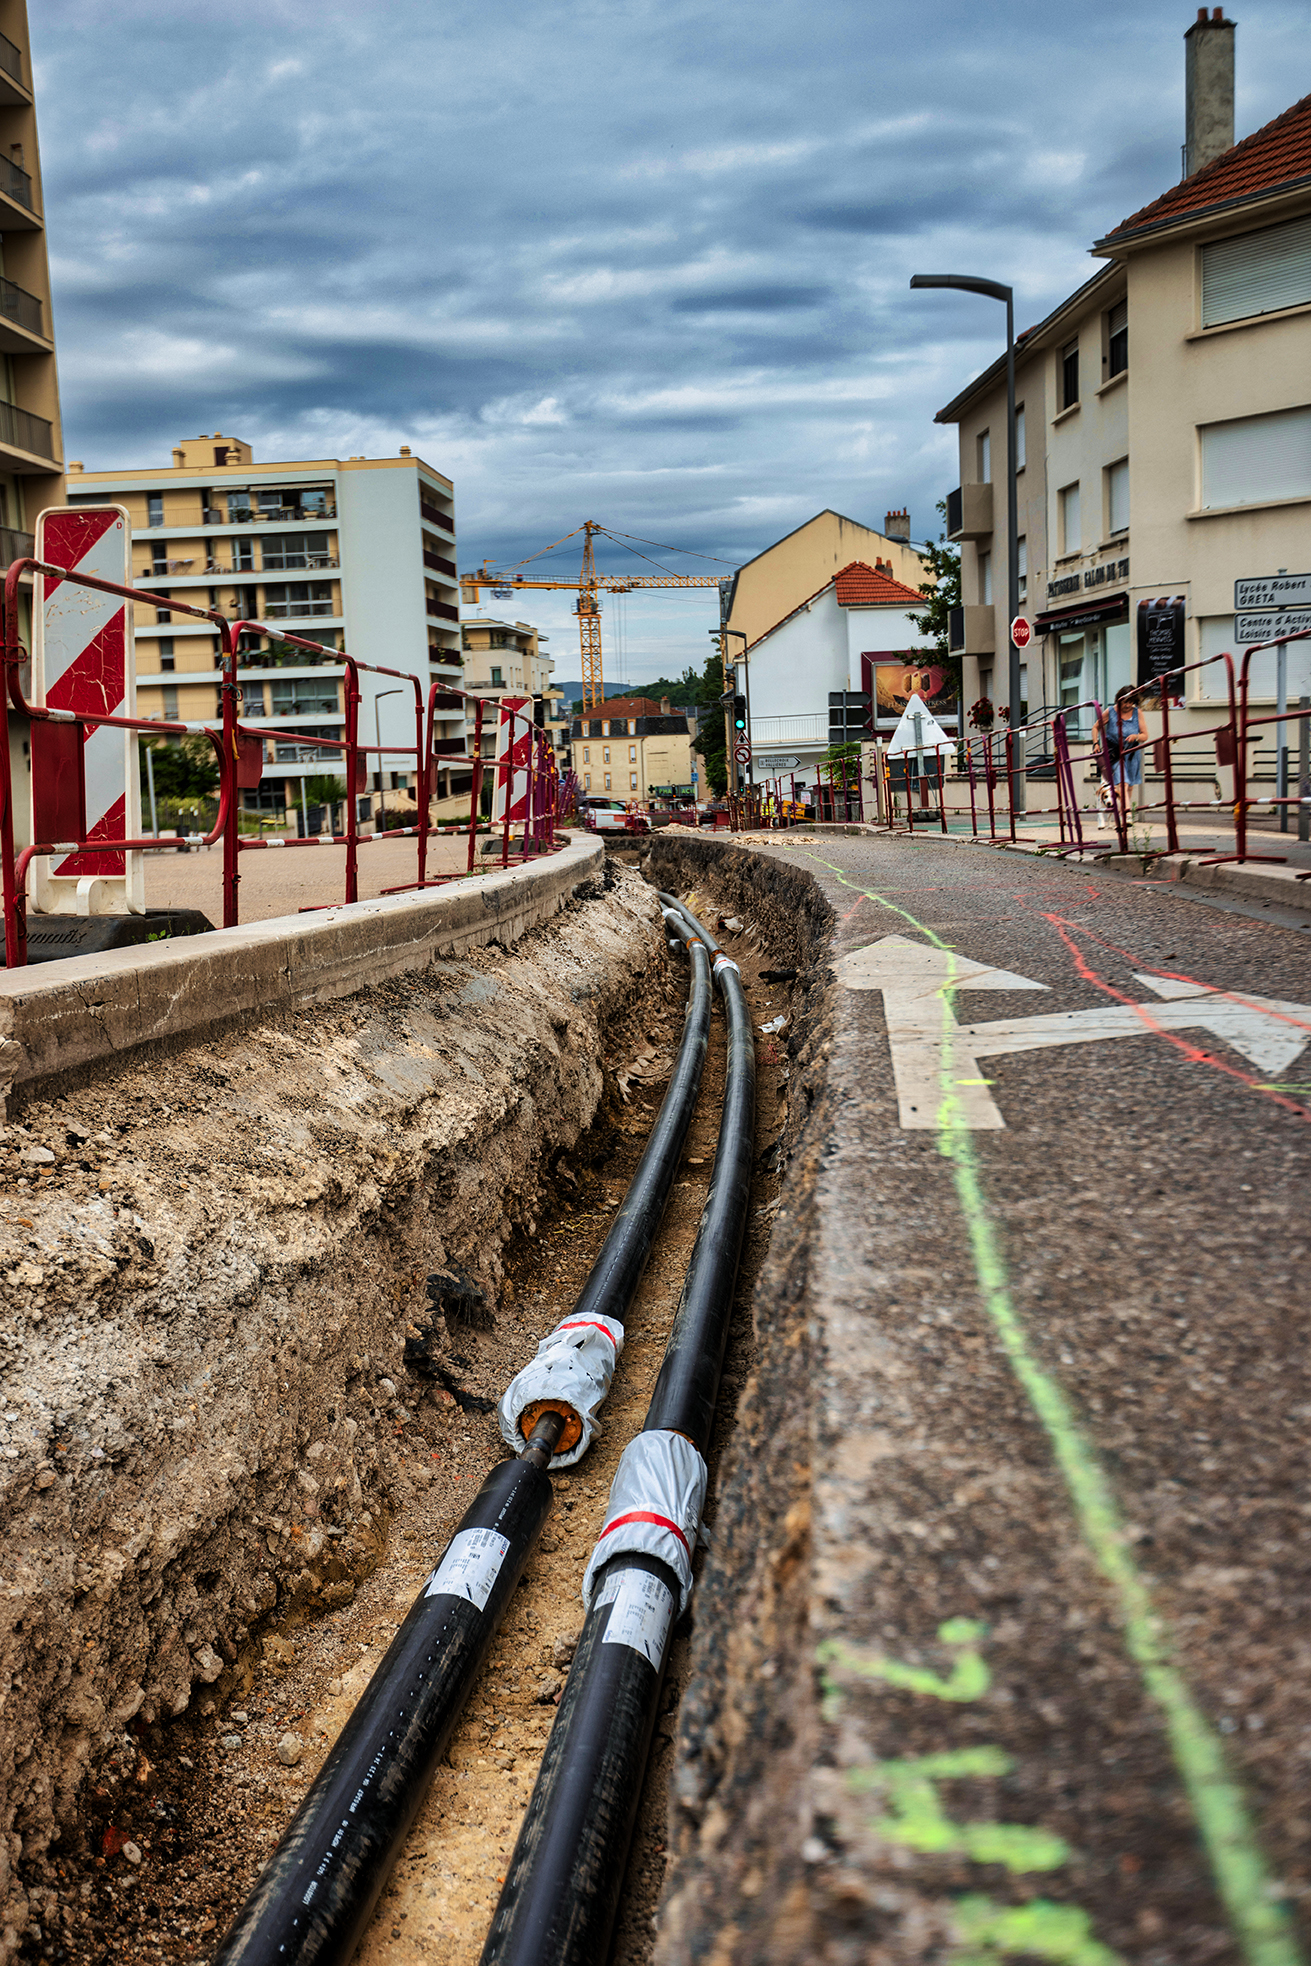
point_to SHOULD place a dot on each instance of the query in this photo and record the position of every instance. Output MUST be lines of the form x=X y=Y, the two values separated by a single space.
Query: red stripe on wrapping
x=585 y=1324
x=96 y=678
x=644 y=1515
x=66 y=537
x=110 y=825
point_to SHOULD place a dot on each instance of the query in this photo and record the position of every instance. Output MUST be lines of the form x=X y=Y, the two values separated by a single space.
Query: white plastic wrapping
x=574 y=1364
x=724 y=962
x=655 y=1506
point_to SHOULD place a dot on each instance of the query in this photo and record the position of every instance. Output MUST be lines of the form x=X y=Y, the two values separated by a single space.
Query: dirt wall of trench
x=737 y=1886
x=229 y=1274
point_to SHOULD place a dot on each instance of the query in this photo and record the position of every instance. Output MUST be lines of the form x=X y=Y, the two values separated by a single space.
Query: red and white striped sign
x=83 y=660
x=514 y=746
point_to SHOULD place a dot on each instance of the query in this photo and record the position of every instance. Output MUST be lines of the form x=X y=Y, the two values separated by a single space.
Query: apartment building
x=504 y=658
x=31 y=447
x=349 y=553
x=1164 y=432
x=640 y=749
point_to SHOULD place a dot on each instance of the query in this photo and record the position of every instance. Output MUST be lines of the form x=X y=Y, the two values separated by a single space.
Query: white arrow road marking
x=931 y=1052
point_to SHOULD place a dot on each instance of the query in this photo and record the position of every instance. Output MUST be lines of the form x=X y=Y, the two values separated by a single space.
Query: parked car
x=601 y=815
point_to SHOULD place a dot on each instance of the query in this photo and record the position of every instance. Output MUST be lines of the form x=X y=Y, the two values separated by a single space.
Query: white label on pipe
x=643 y=1612
x=470 y=1566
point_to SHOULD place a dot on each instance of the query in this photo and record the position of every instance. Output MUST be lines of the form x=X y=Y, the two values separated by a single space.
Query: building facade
x=354 y=553
x=781 y=578
x=843 y=662
x=640 y=749
x=1164 y=441
x=504 y=658
x=31 y=446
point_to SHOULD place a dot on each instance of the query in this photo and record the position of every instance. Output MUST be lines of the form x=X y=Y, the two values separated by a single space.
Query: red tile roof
x=1270 y=159
x=627 y=706
x=862 y=586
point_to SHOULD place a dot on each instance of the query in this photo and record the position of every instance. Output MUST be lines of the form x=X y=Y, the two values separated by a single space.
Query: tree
x=187 y=770
x=326 y=790
x=942 y=594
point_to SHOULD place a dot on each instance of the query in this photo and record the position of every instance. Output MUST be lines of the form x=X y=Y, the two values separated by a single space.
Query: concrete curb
x=66 y=1015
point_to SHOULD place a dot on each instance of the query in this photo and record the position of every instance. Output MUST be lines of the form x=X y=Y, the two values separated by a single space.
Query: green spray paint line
x=1250 y=1896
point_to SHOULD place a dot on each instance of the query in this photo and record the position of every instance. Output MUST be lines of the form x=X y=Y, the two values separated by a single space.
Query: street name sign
x=935 y=1059
x=1277 y=590
x=1265 y=627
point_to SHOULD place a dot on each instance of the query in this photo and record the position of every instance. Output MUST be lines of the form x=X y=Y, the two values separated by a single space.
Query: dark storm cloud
x=629 y=259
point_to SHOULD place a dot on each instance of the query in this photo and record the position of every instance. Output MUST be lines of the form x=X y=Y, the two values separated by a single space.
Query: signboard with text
x=1277 y=590
x=1161 y=639
x=1249 y=628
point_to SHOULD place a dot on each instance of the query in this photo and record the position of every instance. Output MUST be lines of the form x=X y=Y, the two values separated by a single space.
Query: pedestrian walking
x=1121 y=736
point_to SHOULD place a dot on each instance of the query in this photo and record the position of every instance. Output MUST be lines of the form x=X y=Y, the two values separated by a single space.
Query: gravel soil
x=170 y=1840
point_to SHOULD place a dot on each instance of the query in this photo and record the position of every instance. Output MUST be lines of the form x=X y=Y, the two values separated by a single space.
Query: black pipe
x=561 y=1892
x=319 y=1888
x=672 y=901
x=613 y=1279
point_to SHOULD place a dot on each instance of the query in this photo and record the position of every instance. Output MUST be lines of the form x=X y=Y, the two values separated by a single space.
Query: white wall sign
x=1280 y=590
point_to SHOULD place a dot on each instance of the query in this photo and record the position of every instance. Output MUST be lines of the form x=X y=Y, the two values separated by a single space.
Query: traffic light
x=740 y=714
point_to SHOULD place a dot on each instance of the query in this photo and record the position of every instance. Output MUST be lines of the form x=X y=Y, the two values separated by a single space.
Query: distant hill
x=573 y=688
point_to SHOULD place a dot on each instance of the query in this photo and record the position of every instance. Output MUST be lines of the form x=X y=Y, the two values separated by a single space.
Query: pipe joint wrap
x=655 y=1505
x=724 y=962
x=573 y=1367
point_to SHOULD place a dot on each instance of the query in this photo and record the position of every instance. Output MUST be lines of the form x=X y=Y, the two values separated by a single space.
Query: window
x=587 y=754
x=243 y=555
x=170 y=703
x=239 y=509
x=298 y=597
x=1070 y=375
x=1117 y=340
x=985 y=578
x=632 y=727
x=1117 y=496
x=294 y=549
x=165 y=647
x=1254 y=459
x=983 y=457
x=632 y=781
x=161 y=613
x=1022 y=566
x=498 y=678
x=607 y=781
x=632 y=754
x=1070 y=535
x=303 y=696
x=587 y=781
x=1256 y=273
x=154 y=508
x=605 y=728
x=605 y=755
x=158 y=558
x=1070 y=658
x=1019 y=437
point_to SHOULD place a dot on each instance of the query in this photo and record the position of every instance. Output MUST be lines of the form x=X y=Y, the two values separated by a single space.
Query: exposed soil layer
x=251 y=1289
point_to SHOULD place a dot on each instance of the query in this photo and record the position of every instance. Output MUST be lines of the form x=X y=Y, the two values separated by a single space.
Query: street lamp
x=994 y=290
x=377 y=732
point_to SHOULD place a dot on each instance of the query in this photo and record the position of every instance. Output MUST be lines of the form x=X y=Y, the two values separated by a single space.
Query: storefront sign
x=1160 y=637
x=1280 y=590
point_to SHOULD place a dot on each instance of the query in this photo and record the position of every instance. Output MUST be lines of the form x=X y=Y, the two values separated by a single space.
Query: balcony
x=969 y=512
x=21 y=315
x=436 y=518
x=15 y=545
x=15 y=182
x=297 y=610
x=275 y=515
x=972 y=630
x=438 y=564
x=443 y=613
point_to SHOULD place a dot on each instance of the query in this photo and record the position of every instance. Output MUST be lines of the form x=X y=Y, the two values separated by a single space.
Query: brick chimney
x=665 y=709
x=897 y=526
x=1208 y=89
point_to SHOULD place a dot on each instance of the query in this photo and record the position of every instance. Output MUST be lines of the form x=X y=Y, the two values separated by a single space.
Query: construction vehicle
x=590 y=584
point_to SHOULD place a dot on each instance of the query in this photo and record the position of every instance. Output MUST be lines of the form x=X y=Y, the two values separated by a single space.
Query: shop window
x=1070 y=658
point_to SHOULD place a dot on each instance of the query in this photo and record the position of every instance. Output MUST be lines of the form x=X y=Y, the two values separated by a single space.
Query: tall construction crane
x=590 y=585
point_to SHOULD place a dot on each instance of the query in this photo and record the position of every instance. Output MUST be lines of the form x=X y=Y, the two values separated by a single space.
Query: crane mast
x=588 y=609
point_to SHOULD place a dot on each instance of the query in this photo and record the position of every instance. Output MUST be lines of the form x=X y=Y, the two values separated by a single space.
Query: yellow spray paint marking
x=1038 y=1930
x=1251 y=1897
x=969 y=1678
x=918 y=1820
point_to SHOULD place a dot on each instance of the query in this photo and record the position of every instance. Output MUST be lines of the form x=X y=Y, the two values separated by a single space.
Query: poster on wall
x=891 y=680
x=1161 y=641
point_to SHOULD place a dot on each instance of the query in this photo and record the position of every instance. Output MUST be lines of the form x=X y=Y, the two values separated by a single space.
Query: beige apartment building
x=639 y=749
x=31 y=448
x=1164 y=436
x=504 y=658
x=765 y=590
x=351 y=554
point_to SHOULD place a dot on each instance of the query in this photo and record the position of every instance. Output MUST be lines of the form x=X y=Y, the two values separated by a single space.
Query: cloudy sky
x=631 y=260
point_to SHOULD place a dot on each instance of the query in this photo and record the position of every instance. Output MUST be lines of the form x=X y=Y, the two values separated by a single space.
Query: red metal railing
x=57 y=764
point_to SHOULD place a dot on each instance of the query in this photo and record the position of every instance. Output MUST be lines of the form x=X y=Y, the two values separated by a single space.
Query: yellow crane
x=590 y=584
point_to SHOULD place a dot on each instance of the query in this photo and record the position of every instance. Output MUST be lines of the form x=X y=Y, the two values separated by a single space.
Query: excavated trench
x=262 y=1294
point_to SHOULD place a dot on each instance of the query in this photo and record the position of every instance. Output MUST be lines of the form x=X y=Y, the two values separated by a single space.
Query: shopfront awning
x=1083 y=614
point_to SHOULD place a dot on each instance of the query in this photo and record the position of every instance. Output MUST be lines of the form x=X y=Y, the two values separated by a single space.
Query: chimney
x=897 y=526
x=665 y=710
x=1208 y=89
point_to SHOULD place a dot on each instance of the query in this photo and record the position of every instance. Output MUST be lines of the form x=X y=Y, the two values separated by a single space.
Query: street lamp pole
x=994 y=290
x=377 y=733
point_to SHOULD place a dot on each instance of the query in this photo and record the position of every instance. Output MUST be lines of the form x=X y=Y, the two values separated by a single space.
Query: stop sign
x=1021 y=632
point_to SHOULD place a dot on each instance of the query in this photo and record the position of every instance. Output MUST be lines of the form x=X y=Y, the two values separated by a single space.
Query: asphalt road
x=1061 y=1565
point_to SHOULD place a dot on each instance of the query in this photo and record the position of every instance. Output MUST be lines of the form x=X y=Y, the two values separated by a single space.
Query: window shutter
x=1256 y=273
x=1254 y=458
